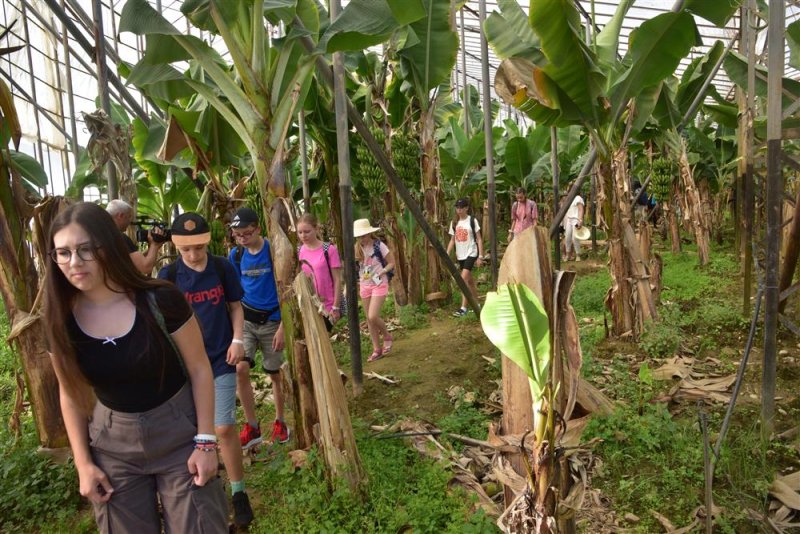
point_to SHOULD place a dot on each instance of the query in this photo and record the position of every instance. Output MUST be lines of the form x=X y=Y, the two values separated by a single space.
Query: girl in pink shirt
x=320 y=260
x=524 y=214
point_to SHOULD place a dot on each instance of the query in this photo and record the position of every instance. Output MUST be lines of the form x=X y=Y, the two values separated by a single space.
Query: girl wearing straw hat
x=376 y=266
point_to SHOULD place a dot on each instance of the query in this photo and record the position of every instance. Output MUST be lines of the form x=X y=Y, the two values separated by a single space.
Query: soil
x=428 y=361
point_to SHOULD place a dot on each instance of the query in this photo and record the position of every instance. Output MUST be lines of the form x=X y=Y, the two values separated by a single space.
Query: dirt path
x=428 y=361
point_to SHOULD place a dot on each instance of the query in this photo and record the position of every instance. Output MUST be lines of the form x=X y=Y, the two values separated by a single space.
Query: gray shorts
x=225 y=400
x=256 y=335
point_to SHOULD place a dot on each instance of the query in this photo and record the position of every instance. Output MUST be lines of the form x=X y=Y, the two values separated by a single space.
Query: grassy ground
x=650 y=457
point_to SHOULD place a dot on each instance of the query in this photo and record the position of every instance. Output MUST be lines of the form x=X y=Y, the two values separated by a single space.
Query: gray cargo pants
x=144 y=456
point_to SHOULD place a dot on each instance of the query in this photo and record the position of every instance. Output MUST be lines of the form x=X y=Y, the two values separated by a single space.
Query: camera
x=145 y=224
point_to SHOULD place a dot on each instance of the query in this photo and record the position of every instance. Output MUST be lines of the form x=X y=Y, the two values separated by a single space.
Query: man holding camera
x=122 y=213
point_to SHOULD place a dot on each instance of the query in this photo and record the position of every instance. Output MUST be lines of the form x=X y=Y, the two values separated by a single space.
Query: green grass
x=653 y=459
x=405 y=492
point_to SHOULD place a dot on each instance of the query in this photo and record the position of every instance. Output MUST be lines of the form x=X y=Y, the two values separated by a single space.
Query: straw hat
x=362 y=227
x=583 y=233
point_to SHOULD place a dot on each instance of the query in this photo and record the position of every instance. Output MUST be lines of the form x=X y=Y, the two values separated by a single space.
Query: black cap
x=462 y=203
x=190 y=229
x=244 y=217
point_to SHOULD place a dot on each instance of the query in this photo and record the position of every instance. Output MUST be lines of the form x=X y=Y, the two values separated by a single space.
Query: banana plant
x=257 y=96
x=515 y=321
x=552 y=74
x=21 y=178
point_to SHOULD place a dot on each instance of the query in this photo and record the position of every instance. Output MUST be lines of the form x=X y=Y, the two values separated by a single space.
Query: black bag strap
x=159 y=317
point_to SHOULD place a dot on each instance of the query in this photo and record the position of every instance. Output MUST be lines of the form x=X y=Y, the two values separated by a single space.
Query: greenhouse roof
x=48 y=99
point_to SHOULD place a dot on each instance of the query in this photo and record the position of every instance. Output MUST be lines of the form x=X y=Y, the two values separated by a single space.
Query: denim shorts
x=225 y=400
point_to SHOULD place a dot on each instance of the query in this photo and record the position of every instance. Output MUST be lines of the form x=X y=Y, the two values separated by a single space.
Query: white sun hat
x=583 y=233
x=363 y=227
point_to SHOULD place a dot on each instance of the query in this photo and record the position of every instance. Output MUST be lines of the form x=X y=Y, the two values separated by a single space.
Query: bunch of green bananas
x=368 y=169
x=663 y=173
x=217 y=244
x=253 y=200
x=406 y=156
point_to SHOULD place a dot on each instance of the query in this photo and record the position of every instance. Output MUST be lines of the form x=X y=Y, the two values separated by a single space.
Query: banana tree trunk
x=272 y=184
x=672 y=222
x=400 y=280
x=432 y=198
x=415 y=264
x=630 y=298
x=694 y=210
x=19 y=288
x=791 y=251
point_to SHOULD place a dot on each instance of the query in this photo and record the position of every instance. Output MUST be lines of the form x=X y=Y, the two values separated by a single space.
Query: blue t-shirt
x=209 y=297
x=258 y=281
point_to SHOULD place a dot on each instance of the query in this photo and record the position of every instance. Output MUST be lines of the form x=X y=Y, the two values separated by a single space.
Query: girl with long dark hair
x=135 y=384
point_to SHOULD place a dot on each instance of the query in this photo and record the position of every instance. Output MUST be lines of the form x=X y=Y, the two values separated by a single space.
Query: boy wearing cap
x=262 y=324
x=211 y=286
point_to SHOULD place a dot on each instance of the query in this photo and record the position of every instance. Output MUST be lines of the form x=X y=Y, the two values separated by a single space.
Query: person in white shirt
x=573 y=220
x=466 y=237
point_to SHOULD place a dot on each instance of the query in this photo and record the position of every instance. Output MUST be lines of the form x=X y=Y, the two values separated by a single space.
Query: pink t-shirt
x=371 y=266
x=522 y=218
x=318 y=267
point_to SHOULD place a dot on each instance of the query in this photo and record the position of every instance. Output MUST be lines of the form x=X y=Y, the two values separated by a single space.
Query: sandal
x=377 y=355
x=387 y=344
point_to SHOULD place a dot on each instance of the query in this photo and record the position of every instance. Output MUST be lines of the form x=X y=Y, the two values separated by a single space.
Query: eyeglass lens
x=64 y=255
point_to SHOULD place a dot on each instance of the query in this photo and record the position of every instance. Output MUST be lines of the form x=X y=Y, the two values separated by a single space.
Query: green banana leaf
x=517 y=158
x=607 y=41
x=717 y=12
x=363 y=23
x=695 y=75
x=736 y=66
x=655 y=50
x=793 y=42
x=515 y=321
x=509 y=34
x=570 y=63
x=431 y=60
x=31 y=171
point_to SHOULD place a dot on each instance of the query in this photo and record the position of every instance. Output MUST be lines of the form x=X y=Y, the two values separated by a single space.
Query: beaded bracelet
x=206 y=447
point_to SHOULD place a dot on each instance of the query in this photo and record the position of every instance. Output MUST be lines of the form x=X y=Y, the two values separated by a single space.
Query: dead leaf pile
x=696 y=381
x=784 y=506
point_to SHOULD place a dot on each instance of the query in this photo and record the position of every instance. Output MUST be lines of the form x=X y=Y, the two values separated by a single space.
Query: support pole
x=346 y=203
x=324 y=70
x=748 y=188
x=556 y=173
x=465 y=98
x=774 y=204
x=102 y=87
x=84 y=43
x=304 y=163
x=487 y=129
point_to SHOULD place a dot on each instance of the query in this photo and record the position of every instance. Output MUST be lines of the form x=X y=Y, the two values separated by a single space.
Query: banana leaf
x=793 y=42
x=570 y=63
x=515 y=321
x=607 y=41
x=517 y=158
x=509 y=34
x=431 y=60
x=736 y=66
x=717 y=12
x=656 y=48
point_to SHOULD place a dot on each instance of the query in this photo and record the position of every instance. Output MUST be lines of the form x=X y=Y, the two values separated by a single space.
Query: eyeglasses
x=62 y=256
x=243 y=235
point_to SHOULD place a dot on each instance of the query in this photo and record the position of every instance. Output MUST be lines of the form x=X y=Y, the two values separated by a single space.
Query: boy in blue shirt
x=262 y=324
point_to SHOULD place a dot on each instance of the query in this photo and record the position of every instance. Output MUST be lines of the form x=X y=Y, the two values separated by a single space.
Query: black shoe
x=242 y=513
